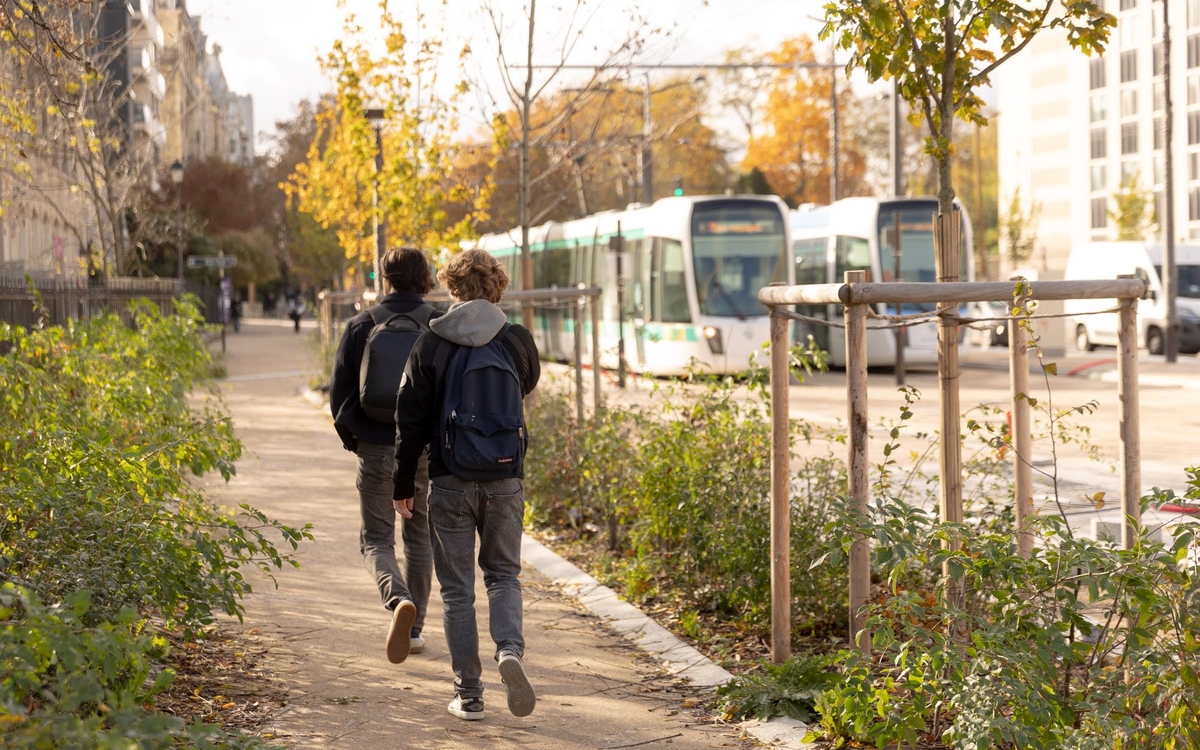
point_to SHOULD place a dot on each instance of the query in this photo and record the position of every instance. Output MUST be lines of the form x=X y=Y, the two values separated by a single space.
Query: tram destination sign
x=212 y=261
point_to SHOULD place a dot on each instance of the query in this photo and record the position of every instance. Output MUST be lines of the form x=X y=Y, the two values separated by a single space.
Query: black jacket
x=419 y=404
x=351 y=423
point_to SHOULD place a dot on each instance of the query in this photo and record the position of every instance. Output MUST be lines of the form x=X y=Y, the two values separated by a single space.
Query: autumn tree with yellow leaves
x=794 y=148
x=418 y=179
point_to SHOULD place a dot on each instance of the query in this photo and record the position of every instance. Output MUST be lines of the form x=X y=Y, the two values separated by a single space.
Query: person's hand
x=404 y=507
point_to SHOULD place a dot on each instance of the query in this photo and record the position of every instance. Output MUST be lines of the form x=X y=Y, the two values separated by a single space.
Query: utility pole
x=1170 y=272
x=376 y=116
x=647 y=155
x=897 y=149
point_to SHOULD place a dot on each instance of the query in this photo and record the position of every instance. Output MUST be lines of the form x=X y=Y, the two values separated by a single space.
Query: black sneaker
x=470 y=709
x=521 y=698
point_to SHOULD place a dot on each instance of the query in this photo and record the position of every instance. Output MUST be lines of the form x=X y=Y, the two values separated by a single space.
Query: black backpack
x=483 y=419
x=386 y=353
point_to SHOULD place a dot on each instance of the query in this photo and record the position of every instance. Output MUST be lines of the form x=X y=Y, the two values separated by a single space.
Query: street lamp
x=177 y=178
x=375 y=116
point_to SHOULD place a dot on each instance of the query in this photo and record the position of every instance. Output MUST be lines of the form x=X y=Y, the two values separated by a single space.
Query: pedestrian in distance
x=235 y=313
x=462 y=395
x=362 y=396
x=296 y=311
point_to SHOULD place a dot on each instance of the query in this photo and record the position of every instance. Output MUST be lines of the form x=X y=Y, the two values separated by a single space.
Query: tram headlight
x=712 y=334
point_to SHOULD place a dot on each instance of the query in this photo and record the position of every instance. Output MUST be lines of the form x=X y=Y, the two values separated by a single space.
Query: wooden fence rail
x=857 y=295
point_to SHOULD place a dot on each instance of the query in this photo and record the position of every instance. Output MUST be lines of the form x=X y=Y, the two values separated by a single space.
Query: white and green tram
x=692 y=268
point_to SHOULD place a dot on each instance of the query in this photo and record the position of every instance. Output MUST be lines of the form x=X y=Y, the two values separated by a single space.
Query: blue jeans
x=458 y=510
x=377 y=538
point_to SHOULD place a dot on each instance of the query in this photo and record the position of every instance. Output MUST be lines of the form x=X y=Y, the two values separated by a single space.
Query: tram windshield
x=917 y=254
x=738 y=248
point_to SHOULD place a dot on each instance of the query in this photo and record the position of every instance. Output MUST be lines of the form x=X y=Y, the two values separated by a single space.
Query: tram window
x=556 y=267
x=853 y=254
x=811 y=263
x=674 y=288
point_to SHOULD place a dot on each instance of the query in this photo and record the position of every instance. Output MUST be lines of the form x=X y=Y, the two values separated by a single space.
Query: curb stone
x=631 y=623
x=678 y=657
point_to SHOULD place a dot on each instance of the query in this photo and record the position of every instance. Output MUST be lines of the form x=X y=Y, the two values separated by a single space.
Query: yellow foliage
x=335 y=184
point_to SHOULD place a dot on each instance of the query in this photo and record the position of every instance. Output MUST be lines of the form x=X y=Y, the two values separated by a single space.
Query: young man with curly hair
x=405 y=595
x=460 y=508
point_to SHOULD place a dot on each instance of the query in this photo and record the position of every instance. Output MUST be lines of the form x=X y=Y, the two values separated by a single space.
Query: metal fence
x=29 y=301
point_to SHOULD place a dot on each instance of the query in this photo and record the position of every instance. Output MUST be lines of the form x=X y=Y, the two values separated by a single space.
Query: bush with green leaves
x=66 y=684
x=792 y=689
x=1080 y=645
x=104 y=426
x=681 y=492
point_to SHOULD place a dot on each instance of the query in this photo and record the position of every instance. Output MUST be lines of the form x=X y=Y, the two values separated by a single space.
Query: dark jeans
x=458 y=510
x=377 y=540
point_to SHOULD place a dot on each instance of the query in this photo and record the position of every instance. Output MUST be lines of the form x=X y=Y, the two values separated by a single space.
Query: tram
x=853 y=234
x=691 y=268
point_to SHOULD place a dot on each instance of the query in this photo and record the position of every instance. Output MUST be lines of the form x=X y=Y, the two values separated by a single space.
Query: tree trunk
x=948 y=251
x=523 y=200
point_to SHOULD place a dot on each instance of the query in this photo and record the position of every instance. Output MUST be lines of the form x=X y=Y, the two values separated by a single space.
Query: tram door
x=812 y=267
x=639 y=262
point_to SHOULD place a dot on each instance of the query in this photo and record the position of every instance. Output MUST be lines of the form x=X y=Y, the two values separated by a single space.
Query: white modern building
x=1072 y=127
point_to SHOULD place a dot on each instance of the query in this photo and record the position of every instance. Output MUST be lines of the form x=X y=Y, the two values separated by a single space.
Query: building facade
x=1074 y=131
x=166 y=99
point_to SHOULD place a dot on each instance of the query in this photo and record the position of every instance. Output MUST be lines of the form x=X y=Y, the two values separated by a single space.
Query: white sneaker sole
x=465 y=715
x=521 y=698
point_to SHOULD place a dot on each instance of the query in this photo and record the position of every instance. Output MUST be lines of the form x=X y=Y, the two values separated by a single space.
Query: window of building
x=1159 y=101
x=1099 y=179
x=1193 y=51
x=1194 y=204
x=1098 y=107
x=1159 y=171
x=1129 y=98
x=1156 y=21
x=1129 y=138
x=1096 y=72
x=1130 y=171
x=1128 y=5
x=1158 y=133
x=1129 y=32
x=1128 y=66
x=1099 y=143
x=1193 y=128
x=1156 y=59
x=1193 y=13
x=1194 y=166
x=1193 y=90
x=1100 y=212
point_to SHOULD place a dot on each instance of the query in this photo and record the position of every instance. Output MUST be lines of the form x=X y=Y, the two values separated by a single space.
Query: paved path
x=325 y=629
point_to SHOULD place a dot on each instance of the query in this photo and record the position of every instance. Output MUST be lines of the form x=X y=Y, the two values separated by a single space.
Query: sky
x=269 y=48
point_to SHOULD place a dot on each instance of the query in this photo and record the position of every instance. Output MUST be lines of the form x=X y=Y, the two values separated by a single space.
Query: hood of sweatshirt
x=472 y=323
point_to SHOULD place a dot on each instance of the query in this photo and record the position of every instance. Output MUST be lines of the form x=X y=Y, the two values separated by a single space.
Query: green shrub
x=1080 y=645
x=66 y=684
x=792 y=689
x=104 y=424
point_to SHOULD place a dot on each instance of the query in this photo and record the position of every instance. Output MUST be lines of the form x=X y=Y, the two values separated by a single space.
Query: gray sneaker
x=521 y=698
x=468 y=709
x=416 y=644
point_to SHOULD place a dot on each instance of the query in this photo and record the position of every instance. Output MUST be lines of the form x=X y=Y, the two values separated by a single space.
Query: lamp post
x=177 y=178
x=375 y=116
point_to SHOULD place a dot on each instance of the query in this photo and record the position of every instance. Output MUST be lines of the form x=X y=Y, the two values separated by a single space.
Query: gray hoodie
x=472 y=323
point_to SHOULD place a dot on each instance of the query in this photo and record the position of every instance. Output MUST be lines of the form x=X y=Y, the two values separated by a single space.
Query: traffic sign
x=212 y=261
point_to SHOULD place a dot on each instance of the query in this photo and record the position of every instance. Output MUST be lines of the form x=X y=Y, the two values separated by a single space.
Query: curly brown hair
x=407 y=270
x=474 y=274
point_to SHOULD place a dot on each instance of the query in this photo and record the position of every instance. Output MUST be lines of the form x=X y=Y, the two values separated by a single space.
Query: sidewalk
x=325 y=630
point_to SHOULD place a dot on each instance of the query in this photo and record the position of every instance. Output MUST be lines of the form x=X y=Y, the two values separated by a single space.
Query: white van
x=1108 y=260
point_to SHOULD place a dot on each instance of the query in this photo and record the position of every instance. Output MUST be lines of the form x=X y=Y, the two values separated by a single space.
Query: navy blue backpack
x=483 y=419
